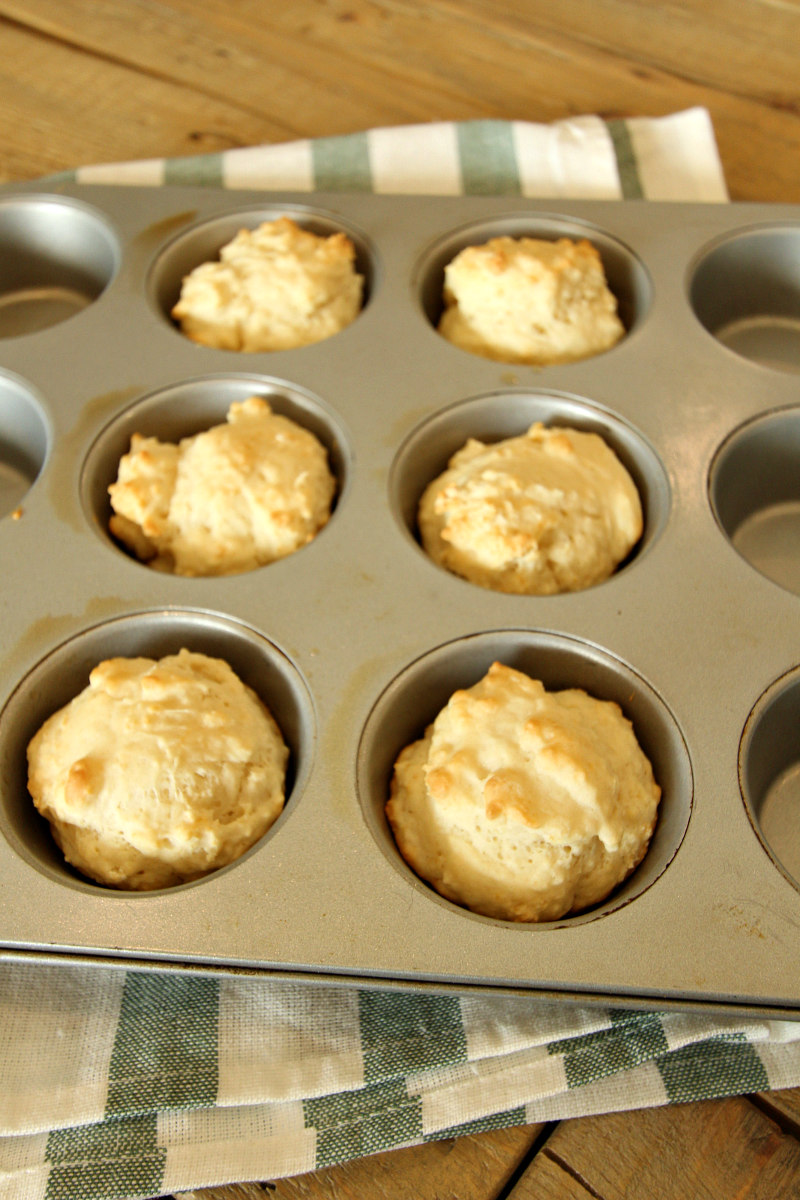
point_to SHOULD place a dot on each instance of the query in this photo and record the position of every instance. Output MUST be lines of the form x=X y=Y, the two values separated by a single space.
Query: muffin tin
x=357 y=640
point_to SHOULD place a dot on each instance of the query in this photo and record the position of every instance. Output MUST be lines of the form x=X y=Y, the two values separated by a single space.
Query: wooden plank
x=62 y=109
x=179 y=78
x=547 y=71
x=783 y=1107
x=534 y=60
x=229 y=50
x=542 y=44
x=79 y=94
x=473 y=1167
x=714 y=1149
x=550 y=1180
x=744 y=49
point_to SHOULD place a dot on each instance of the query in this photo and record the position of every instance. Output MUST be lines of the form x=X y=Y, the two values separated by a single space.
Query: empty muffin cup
x=745 y=290
x=23 y=442
x=58 y=256
x=414 y=698
x=754 y=488
x=64 y=672
x=769 y=772
x=500 y=415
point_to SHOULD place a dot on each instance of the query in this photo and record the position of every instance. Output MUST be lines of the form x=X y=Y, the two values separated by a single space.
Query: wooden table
x=107 y=80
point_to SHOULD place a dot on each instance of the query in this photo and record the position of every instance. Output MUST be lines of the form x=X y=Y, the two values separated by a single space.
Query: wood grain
x=716 y=1150
x=783 y=1107
x=86 y=80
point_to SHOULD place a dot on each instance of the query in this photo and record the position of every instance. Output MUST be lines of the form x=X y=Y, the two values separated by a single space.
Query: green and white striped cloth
x=670 y=158
x=122 y=1083
x=130 y=1084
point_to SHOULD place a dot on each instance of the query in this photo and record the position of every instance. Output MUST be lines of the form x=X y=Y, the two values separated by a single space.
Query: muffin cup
x=504 y=414
x=64 y=672
x=190 y=407
x=58 y=255
x=202 y=243
x=24 y=441
x=625 y=274
x=769 y=773
x=745 y=290
x=754 y=489
x=415 y=697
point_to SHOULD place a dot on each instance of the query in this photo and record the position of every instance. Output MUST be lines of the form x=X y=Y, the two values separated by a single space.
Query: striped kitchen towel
x=124 y=1084
x=665 y=158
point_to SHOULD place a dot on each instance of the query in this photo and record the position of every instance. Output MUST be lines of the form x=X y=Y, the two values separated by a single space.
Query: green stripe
x=60 y=177
x=627 y=167
x=202 y=170
x=400 y=1033
x=341 y=164
x=711 y=1069
x=165 y=1051
x=626 y=1045
x=406 y=1032
x=353 y=1124
x=115 y=1158
x=488 y=159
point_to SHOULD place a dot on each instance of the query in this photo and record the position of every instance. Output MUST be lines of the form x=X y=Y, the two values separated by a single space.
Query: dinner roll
x=274 y=288
x=552 y=510
x=524 y=804
x=158 y=771
x=526 y=300
x=230 y=499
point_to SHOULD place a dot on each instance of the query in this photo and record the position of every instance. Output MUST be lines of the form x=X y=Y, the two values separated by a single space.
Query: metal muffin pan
x=356 y=640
